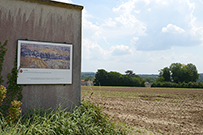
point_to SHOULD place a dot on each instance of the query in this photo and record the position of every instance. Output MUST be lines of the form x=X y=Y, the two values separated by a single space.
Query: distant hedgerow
x=178 y=85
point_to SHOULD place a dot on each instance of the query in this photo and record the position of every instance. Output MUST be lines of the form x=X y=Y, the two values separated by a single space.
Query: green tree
x=101 y=78
x=114 y=78
x=126 y=80
x=88 y=79
x=177 y=72
x=184 y=73
x=165 y=73
x=136 y=81
x=105 y=78
x=160 y=79
x=193 y=72
x=129 y=73
x=150 y=79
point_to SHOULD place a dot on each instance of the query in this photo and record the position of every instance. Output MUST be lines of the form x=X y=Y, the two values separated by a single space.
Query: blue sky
x=140 y=35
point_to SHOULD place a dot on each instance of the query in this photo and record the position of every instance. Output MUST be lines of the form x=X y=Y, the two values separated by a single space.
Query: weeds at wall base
x=87 y=119
x=9 y=106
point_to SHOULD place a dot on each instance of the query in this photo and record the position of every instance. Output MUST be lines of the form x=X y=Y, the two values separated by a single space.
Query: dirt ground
x=151 y=110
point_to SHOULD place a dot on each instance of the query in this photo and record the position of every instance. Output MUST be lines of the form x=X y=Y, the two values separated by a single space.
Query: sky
x=140 y=35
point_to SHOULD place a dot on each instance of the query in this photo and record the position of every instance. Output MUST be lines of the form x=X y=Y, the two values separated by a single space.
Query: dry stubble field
x=151 y=110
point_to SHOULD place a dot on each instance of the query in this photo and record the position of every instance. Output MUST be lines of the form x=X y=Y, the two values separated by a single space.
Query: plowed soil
x=151 y=110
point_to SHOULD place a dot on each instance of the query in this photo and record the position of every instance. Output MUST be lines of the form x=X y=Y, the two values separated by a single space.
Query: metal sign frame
x=44 y=62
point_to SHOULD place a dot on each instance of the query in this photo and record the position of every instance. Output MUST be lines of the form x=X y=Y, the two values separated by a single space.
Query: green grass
x=87 y=119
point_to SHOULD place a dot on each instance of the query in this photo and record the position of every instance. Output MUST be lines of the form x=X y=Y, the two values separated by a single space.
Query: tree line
x=178 y=75
x=87 y=76
x=104 y=78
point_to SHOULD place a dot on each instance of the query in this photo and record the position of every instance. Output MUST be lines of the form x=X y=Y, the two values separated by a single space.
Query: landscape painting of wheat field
x=41 y=56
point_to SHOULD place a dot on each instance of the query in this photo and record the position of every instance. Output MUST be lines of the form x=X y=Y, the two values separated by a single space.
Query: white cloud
x=134 y=40
x=191 y=5
x=85 y=14
x=140 y=34
x=130 y=6
x=126 y=23
x=135 y=20
x=120 y=50
x=147 y=2
x=163 y=2
x=126 y=7
x=163 y=57
x=90 y=30
x=128 y=20
x=196 y=27
x=149 y=9
x=172 y=29
x=109 y=23
x=201 y=1
x=92 y=50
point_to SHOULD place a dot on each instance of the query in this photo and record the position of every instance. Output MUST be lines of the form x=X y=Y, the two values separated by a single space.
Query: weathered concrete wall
x=43 y=20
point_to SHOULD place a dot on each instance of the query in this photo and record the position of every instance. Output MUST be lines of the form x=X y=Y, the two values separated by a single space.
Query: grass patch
x=87 y=119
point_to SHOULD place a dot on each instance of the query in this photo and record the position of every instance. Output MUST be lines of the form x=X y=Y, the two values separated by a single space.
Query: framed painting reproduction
x=44 y=62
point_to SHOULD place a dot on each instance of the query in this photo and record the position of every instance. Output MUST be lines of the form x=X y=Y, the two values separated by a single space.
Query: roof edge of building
x=55 y=3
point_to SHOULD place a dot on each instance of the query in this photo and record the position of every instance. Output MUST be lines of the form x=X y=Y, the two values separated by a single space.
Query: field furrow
x=151 y=111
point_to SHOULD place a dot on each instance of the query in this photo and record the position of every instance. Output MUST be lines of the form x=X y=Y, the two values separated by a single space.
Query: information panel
x=44 y=63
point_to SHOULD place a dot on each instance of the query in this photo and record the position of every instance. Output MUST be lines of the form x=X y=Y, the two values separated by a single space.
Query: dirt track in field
x=150 y=110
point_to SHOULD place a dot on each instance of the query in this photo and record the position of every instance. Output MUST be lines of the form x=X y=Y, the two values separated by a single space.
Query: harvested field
x=151 y=110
